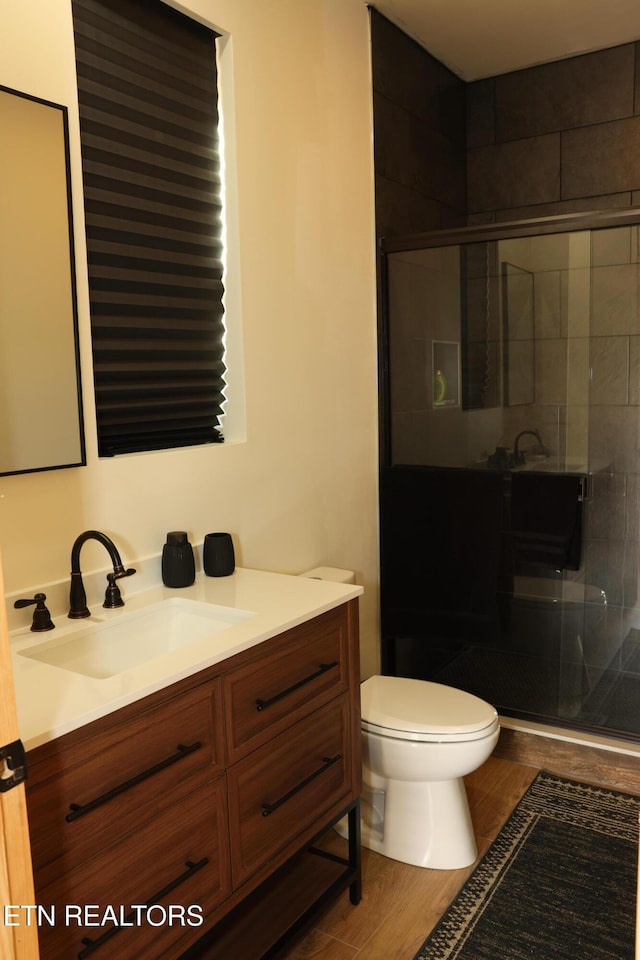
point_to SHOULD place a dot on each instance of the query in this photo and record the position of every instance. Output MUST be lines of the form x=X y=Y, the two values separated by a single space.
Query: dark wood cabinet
x=276 y=791
x=157 y=830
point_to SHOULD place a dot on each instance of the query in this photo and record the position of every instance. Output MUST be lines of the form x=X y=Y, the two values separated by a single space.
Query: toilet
x=419 y=739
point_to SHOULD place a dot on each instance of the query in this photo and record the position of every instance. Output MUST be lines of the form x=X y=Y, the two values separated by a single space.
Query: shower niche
x=445 y=364
x=510 y=484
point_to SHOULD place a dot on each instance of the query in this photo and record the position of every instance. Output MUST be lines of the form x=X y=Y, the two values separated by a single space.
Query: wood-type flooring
x=401 y=903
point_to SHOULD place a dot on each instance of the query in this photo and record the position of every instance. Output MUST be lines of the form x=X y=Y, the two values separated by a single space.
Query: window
x=147 y=88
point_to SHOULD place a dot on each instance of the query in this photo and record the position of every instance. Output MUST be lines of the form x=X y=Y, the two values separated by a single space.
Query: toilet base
x=424 y=824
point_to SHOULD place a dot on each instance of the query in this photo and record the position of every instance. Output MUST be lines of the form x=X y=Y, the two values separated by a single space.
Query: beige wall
x=298 y=487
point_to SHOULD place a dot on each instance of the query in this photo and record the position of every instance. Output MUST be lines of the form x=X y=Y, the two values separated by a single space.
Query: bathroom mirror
x=41 y=424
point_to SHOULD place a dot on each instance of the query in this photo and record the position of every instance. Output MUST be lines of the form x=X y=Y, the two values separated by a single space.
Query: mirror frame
x=74 y=362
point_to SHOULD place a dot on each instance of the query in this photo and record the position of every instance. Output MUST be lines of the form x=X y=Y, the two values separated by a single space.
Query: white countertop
x=52 y=701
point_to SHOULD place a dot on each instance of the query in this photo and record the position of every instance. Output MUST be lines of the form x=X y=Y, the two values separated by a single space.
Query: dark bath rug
x=557 y=883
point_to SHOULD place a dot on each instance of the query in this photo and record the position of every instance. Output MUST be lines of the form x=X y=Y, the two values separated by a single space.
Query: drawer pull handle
x=263 y=704
x=79 y=810
x=91 y=945
x=268 y=808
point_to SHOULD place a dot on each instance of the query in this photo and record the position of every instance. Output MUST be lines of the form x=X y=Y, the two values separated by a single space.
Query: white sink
x=555 y=465
x=104 y=649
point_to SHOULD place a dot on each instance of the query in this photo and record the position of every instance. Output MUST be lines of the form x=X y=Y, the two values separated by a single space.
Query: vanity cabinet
x=272 y=791
x=97 y=785
x=182 y=814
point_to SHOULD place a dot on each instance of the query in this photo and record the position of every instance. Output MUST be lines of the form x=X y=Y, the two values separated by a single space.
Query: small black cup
x=218 y=558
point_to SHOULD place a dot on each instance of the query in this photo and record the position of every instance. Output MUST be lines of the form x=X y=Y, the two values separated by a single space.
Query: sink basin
x=540 y=465
x=555 y=465
x=105 y=649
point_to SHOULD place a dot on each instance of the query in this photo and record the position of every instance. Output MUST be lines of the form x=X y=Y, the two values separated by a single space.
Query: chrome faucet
x=518 y=457
x=78 y=598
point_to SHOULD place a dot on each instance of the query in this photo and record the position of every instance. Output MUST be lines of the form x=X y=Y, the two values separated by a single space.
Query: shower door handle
x=582 y=495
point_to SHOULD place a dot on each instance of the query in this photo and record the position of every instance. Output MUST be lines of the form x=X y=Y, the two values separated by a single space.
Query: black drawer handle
x=79 y=810
x=91 y=945
x=263 y=704
x=268 y=808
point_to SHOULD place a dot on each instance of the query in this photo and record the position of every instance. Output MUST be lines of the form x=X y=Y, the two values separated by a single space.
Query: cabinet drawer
x=297 y=672
x=288 y=784
x=83 y=792
x=189 y=869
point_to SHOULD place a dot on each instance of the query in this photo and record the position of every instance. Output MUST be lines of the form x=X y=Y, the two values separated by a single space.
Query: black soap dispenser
x=178 y=563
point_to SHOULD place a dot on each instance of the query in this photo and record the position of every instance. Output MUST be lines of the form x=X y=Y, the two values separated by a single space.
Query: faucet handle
x=112 y=596
x=41 y=617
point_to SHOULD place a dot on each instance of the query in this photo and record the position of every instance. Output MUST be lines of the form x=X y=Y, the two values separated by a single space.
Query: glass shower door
x=511 y=356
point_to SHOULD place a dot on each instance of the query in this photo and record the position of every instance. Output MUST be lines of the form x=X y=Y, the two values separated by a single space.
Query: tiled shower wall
x=613 y=545
x=559 y=138
x=563 y=137
x=419 y=136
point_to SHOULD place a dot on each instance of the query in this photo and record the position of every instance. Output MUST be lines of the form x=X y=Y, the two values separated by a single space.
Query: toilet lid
x=420 y=709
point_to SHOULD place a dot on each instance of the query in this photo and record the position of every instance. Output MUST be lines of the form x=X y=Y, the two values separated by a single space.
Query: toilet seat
x=420 y=710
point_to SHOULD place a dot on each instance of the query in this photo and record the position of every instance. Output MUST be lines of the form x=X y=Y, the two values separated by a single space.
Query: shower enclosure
x=510 y=493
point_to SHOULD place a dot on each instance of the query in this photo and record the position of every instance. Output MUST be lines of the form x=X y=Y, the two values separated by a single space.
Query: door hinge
x=13 y=765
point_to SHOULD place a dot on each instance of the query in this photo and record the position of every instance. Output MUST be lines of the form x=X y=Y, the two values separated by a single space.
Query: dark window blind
x=147 y=87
